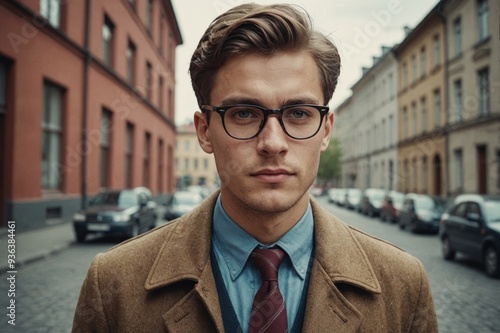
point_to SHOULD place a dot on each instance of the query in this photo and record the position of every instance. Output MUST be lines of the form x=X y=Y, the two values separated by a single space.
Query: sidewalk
x=36 y=244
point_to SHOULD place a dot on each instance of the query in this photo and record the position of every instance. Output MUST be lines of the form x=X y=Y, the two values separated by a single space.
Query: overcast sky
x=359 y=28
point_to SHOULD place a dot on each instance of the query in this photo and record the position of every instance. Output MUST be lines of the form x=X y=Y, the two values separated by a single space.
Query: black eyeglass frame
x=221 y=110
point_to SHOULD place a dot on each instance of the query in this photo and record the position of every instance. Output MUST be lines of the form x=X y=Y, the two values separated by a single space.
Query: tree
x=330 y=162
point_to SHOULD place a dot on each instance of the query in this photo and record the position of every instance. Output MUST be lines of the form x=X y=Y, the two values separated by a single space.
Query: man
x=260 y=255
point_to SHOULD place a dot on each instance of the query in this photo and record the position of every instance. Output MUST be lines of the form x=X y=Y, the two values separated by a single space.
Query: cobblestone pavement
x=47 y=290
x=466 y=300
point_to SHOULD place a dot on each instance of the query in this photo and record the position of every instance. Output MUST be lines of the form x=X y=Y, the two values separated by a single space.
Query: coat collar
x=338 y=258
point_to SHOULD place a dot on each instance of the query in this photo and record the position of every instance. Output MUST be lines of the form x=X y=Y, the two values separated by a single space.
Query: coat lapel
x=338 y=258
x=190 y=241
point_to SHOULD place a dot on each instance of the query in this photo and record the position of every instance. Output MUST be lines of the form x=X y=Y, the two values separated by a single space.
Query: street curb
x=21 y=262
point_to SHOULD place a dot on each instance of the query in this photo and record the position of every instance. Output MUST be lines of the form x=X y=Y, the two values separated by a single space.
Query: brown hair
x=265 y=29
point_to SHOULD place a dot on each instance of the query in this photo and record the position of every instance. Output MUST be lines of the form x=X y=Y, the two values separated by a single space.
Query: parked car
x=472 y=226
x=391 y=206
x=352 y=198
x=180 y=203
x=337 y=195
x=126 y=212
x=316 y=191
x=422 y=212
x=371 y=201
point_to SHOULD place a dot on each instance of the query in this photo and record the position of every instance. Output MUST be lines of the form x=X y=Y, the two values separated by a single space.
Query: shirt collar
x=235 y=244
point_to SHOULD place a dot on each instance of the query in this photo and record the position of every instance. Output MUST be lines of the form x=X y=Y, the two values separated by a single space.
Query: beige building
x=192 y=165
x=422 y=159
x=474 y=100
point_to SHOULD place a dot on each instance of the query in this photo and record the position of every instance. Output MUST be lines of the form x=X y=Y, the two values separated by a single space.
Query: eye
x=298 y=113
x=243 y=113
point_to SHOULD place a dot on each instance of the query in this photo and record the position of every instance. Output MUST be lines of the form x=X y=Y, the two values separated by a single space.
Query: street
x=466 y=299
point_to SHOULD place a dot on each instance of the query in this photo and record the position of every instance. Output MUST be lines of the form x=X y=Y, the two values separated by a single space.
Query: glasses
x=243 y=122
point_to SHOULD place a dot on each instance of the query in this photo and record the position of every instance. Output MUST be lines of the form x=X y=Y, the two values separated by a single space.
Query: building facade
x=192 y=165
x=422 y=156
x=367 y=122
x=86 y=102
x=473 y=78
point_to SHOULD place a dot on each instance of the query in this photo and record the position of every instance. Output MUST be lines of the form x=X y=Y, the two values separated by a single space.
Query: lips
x=273 y=175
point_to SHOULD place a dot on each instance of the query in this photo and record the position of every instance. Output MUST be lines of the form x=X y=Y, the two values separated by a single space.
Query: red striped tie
x=268 y=310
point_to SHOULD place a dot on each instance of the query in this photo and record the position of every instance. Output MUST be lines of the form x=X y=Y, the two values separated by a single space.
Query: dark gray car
x=472 y=226
x=117 y=212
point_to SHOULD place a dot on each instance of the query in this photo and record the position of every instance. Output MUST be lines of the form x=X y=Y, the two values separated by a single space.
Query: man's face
x=272 y=172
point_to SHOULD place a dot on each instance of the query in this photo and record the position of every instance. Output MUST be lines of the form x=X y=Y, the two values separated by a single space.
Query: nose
x=272 y=140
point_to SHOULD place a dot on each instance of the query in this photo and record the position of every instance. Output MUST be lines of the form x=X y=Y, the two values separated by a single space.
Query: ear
x=329 y=121
x=203 y=132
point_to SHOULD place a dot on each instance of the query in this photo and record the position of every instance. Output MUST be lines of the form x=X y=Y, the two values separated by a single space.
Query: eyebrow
x=255 y=101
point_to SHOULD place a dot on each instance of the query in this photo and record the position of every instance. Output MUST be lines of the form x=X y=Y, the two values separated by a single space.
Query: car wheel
x=80 y=237
x=448 y=251
x=491 y=262
x=135 y=230
x=401 y=225
x=413 y=227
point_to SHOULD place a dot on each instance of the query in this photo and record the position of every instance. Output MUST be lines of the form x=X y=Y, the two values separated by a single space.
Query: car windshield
x=492 y=211
x=376 y=195
x=185 y=199
x=397 y=197
x=354 y=194
x=122 y=199
x=424 y=203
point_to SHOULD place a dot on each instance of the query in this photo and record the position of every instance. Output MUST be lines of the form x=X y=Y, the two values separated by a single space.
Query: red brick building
x=86 y=102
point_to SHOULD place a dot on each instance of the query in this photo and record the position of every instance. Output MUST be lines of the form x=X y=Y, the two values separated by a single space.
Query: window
x=423 y=104
x=162 y=34
x=414 y=175
x=105 y=147
x=205 y=164
x=424 y=175
x=391 y=86
x=413 y=69
x=186 y=163
x=457 y=86
x=146 y=159
x=383 y=133
x=107 y=41
x=149 y=14
x=437 y=108
x=406 y=174
x=482 y=19
x=149 y=80
x=52 y=136
x=130 y=54
x=129 y=147
x=437 y=50
x=170 y=104
x=459 y=169
x=391 y=130
x=160 y=93
x=195 y=163
x=3 y=85
x=484 y=92
x=51 y=11
x=457 y=35
x=423 y=62
x=160 y=166
x=406 y=127
x=405 y=75
x=414 y=118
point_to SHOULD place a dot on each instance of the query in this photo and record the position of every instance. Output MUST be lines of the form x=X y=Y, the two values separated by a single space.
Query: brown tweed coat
x=162 y=281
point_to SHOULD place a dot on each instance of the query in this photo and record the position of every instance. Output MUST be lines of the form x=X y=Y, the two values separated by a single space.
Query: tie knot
x=268 y=262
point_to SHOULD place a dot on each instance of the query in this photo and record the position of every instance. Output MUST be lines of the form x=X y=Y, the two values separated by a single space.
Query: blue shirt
x=232 y=247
